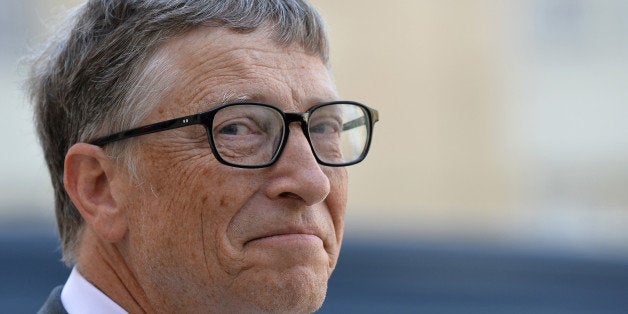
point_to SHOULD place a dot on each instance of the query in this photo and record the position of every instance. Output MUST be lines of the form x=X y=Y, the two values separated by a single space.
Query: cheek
x=337 y=199
x=166 y=219
x=183 y=212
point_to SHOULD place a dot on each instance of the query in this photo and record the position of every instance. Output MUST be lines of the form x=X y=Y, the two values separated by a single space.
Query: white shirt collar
x=80 y=296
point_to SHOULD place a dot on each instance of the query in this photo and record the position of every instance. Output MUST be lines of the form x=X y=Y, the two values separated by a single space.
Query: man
x=197 y=152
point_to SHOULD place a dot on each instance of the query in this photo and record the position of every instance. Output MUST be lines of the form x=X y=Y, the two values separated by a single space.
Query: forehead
x=216 y=65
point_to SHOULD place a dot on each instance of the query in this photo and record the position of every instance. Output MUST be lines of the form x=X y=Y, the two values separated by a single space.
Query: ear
x=89 y=178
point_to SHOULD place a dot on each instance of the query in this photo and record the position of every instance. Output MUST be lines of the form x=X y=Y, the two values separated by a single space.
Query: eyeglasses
x=253 y=135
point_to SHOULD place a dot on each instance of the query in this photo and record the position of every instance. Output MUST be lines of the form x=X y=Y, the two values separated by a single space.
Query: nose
x=297 y=174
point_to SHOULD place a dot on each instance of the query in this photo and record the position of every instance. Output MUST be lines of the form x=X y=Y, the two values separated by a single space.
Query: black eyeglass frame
x=206 y=119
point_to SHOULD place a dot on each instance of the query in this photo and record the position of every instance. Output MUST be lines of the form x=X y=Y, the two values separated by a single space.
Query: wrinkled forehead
x=217 y=65
x=222 y=45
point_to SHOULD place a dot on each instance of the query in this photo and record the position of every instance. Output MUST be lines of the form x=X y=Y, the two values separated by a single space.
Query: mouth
x=288 y=237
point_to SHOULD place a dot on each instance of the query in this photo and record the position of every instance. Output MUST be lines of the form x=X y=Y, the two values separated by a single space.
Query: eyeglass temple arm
x=361 y=121
x=147 y=129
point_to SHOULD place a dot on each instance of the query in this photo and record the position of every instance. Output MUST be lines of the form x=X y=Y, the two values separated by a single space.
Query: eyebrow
x=230 y=97
x=226 y=98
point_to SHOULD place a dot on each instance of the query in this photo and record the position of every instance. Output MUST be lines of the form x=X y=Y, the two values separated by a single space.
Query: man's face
x=204 y=236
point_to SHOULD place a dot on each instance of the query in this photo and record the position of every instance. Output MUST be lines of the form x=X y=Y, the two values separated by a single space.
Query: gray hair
x=103 y=74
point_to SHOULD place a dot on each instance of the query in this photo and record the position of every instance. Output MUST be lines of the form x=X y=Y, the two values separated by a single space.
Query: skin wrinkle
x=110 y=258
x=225 y=60
x=205 y=242
x=227 y=204
x=180 y=142
x=118 y=277
x=179 y=244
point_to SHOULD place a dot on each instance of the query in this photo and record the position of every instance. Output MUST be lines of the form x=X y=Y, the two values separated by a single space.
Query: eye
x=234 y=129
x=325 y=126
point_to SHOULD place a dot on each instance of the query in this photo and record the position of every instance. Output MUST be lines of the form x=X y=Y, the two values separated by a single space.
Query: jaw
x=299 y=289
x=279 y=274
x=272 y=274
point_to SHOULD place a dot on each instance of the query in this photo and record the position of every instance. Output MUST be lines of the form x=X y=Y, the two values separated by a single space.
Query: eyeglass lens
x=251 y=135
x=338 y=132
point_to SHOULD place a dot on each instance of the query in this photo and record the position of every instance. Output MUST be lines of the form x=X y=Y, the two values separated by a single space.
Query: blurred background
x=498 y=176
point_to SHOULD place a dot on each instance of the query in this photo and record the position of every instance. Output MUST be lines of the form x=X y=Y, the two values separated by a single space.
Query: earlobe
x=89 y=176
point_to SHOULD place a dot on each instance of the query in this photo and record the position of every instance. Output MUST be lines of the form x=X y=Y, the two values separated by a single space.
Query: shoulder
x=53 y=305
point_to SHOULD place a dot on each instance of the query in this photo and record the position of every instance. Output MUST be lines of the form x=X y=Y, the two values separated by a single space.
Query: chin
x=296 y=290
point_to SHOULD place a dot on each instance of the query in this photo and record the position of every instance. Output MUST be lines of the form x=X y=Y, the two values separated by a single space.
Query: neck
x=101 y=264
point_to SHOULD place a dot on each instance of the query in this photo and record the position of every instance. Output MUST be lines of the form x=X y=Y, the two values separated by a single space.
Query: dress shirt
x=80 y=296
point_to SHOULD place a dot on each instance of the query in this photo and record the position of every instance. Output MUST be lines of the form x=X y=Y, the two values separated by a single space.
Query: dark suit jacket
x=53 y=305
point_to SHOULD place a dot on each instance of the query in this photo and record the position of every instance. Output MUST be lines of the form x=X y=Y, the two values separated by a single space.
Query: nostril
x=290 y=195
